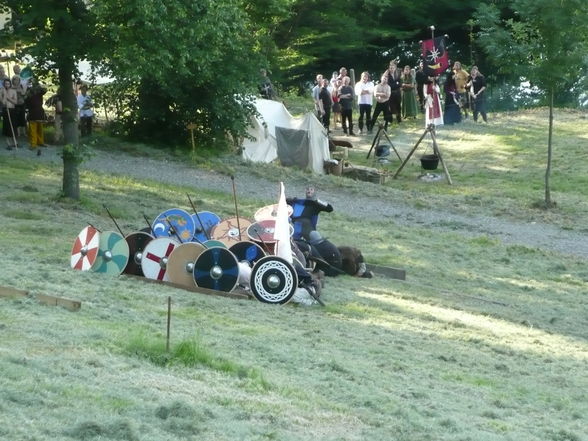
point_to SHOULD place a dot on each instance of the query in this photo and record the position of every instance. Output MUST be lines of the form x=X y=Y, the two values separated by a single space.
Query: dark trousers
x=480 y=108
x=464 y=102
x=326 y=118
x=395 y=104
x=364 y=109
x=86 y=125
x=421 y=97
x=381 y=107
x=347 y=120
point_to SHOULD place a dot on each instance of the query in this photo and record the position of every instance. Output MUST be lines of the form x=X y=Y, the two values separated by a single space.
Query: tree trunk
x=71 y=159
x=548 y=202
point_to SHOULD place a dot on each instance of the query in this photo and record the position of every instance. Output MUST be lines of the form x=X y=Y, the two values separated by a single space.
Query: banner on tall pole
x=435 y=56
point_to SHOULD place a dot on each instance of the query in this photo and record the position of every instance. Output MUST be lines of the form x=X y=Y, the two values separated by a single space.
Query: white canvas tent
x=295 y=141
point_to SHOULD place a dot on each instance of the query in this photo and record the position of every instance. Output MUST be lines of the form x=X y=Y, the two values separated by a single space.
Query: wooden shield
x=155 y=257
x=216 y=268
x=269 y=212
x=246 y=251
x=204 y=222
x=273 y=280
x=180 y=265
x=174 y=223
x=230 y=231
x=113 y=254
x=137 y=242
x=85 y=249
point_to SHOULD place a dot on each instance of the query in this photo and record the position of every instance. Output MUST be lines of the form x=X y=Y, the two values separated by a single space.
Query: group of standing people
x=463 y=92
x=399 y=95
x=394 y=95
x=21 y=100
x=21 y=105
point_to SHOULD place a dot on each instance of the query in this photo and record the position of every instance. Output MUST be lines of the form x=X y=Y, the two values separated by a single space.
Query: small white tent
x=295 y=141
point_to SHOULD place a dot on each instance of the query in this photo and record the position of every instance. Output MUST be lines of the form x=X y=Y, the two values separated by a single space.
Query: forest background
x=195 y=62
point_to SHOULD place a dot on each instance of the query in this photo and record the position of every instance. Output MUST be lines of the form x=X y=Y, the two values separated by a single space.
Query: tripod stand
x=430 y=130
x=382 y=130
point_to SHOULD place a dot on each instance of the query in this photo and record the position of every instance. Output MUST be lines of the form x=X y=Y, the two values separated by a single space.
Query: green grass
x=483 y=341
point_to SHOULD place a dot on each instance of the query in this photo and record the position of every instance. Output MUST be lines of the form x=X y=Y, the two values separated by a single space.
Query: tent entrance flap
x=293 y=147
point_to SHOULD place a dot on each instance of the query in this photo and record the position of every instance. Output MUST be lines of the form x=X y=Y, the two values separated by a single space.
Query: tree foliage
x=180 y=62
x=323 y=36
x=543 y=41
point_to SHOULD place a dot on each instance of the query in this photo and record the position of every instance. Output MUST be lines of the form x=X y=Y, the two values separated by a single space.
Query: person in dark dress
x=478 y=87
x=452 y=112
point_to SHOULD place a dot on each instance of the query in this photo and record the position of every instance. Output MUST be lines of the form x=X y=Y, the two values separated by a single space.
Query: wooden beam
x=8 y=292
x=71 y=305
x=386 y=271
x=238 y=294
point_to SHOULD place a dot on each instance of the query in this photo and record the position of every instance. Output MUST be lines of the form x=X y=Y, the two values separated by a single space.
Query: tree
x=543 y=41
x=57 y=34
x=181 y=62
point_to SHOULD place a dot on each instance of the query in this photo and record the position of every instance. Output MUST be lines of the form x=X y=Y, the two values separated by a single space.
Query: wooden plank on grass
x=386 y=271
x=233 y=294
x=71 y=305
x=6 y=291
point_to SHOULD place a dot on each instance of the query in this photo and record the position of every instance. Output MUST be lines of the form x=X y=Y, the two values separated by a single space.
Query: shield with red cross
x=155 y=257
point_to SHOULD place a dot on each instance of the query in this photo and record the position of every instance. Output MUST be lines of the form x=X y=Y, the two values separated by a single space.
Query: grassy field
x=484 y=341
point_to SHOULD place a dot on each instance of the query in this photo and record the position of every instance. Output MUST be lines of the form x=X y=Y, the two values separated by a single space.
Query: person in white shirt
x=85 y=106
x=315 y=95
x=364 y=90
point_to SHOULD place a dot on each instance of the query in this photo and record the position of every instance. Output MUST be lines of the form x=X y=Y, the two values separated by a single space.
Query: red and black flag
x=435 y=57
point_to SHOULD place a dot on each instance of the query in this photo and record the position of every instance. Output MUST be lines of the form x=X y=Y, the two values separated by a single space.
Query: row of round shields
x=190 y=250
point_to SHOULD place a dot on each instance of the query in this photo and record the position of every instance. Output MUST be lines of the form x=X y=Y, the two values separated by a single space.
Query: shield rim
x=263 y=264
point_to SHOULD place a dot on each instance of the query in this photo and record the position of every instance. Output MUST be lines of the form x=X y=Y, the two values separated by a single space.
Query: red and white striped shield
x=85 y=249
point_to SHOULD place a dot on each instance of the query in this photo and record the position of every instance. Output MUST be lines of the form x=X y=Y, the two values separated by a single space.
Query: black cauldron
x=430 y=162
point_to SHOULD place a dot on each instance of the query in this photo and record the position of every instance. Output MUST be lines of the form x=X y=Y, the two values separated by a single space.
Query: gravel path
x=532 y=234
